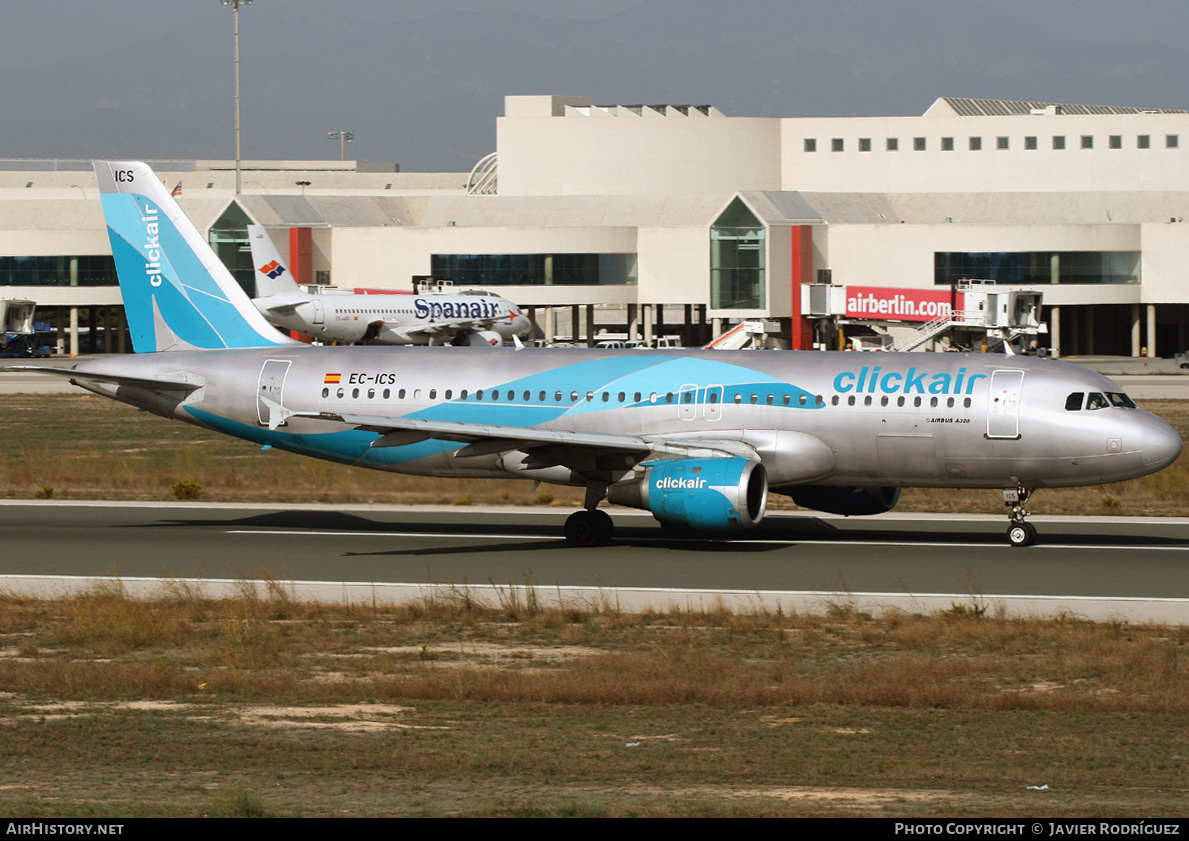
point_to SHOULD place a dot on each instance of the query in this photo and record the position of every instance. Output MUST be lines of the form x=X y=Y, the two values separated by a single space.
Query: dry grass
x=113 y=452
x=260 y=704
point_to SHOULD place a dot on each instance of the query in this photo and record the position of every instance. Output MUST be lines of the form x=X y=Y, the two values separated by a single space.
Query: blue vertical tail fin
x=177 y=295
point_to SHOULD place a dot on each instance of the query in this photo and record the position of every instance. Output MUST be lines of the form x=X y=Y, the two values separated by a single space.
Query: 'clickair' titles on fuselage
x=433 y=310
x=869 y=380
x=152 y=246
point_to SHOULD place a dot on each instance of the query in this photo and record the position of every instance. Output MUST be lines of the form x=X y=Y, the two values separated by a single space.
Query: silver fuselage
x=846 y=419
x=395 y=319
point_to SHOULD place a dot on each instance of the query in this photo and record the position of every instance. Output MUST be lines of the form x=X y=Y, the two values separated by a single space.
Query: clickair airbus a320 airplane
x=461 y=320
x=698 y=438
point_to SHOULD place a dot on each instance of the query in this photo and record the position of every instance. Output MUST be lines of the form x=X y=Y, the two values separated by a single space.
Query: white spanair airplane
x=397 y=319
x=698 y=438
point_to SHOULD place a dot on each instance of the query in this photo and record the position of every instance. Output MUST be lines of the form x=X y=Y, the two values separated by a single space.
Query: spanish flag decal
x=332 y=378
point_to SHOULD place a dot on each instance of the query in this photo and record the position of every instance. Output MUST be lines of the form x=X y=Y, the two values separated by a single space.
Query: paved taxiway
x=1121 y=567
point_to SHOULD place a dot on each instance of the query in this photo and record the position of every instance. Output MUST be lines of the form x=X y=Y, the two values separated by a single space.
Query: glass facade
x=84 y=270
x=229 y=238
x=535 y=269
x=737 y=240
x=1037 y=267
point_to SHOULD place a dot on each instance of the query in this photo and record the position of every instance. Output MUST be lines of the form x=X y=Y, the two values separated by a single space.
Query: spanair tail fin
x=272 y=272
x=177 y=295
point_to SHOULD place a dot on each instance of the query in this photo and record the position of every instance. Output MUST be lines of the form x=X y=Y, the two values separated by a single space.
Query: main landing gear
x=1020 y=532
x=590 y=527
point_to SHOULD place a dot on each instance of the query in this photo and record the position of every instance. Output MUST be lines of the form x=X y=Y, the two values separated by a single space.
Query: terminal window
x=535 y=269
x=893 y=144
x=918 y=144
x=1116 y=141
x=1001 y=143
x=1029 y=142
x=1143 y=141
x=864 y=144
x=811 y=144
x=1058 y=141
x=1172 y=141
x=1087 y=141
x=837 y=144
x=83 y=270
x=1037 y=267
x=947 y=144
x=976 y=144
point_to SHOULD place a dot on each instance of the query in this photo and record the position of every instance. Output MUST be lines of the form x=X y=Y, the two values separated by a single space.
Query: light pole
x=235 y=4
x=343 y=137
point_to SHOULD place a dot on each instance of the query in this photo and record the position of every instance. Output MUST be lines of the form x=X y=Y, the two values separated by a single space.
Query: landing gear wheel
x=1021 y=534
x=589 y=528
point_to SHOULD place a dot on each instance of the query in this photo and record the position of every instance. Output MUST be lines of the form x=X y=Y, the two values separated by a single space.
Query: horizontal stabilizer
x=179 y=382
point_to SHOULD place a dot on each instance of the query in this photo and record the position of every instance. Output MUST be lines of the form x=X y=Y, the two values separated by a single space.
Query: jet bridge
x=974 y=312
x=16 y=316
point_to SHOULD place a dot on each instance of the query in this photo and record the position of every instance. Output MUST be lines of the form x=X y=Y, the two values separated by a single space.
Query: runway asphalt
x=1117 y=568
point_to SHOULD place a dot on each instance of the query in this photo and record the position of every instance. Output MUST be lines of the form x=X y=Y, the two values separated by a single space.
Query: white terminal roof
x=949 y=106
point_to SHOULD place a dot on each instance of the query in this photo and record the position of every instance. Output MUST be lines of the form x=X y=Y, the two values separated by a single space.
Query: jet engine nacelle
x=709 y=494
x=873 y=500
x=480 y=338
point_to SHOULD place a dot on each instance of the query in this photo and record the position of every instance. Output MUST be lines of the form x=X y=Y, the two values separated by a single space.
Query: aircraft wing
x=461 y=325
x=581 y=451
x=180 y=381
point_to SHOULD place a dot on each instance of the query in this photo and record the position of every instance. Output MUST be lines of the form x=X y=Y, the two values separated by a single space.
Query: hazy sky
x=90 y=78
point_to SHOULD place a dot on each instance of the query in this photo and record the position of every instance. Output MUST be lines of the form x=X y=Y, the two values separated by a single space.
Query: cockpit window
x=1121 y=400
x=1097 y=401
x=1073 y=402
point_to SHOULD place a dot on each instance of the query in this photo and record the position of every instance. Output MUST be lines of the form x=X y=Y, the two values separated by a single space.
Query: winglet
x=177 y=295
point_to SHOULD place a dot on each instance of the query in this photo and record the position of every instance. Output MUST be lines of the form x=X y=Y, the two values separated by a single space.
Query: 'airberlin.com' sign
x=898 y=304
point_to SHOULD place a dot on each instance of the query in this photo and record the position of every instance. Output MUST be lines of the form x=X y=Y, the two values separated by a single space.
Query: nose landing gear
x=1020 y=532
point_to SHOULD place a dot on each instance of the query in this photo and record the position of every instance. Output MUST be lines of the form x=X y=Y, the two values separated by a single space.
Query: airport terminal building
x=663 y=219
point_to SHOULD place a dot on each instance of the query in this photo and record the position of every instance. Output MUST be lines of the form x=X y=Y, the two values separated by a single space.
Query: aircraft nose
x=1162 y=444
